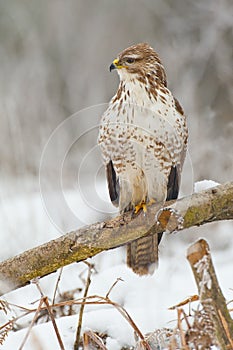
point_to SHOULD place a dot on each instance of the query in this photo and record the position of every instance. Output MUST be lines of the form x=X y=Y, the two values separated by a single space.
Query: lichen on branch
x=200 y=208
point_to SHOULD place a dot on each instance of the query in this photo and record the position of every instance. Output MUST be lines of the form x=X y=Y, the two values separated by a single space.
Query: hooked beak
x=115 y=65
x=112 y=67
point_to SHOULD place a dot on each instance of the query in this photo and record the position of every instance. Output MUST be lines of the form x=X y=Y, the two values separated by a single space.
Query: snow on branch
x=207 y=206
x=210 y=294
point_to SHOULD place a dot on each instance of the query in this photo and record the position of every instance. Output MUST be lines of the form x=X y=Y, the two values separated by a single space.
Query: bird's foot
x=140 y=206
x=143 y=205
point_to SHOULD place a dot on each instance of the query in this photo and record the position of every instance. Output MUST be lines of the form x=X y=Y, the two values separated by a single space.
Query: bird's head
x=139 y=60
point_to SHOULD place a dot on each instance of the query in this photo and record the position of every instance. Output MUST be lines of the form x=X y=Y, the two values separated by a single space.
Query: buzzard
x=143 y=140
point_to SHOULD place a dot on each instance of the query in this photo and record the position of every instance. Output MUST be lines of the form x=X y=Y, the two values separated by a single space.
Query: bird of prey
x=143 y=140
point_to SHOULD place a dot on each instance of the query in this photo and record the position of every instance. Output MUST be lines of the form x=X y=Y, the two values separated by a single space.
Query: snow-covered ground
x=24 y=224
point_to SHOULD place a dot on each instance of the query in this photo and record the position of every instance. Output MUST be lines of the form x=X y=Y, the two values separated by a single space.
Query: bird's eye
x=130 y=60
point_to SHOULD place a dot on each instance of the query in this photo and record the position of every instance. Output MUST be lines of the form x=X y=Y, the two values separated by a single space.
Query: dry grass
x=194 y=329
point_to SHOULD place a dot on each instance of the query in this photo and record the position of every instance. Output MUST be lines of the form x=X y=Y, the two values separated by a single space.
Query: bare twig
x=111 y=288
x=89 y=337
x=79 y=328
x=88 y=300
x=50 y=311
x=179 y=326
x=44 y=300
x=188 y=300
x=57 y=284
x=31 y=324
x=129 y=319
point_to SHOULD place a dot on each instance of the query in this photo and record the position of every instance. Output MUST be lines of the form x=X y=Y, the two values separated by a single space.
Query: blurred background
x=55 y=84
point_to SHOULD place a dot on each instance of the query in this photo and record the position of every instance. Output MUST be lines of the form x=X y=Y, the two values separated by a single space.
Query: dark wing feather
x=113 y=183
x=172 y=188
x=173 y=183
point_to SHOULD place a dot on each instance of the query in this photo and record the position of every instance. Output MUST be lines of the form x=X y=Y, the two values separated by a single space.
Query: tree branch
x=211 y=297
x=200 y=208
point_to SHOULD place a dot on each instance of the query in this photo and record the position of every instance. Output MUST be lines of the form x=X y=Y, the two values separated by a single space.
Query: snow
x=146 y=299
x=202 y=267
x=204 y=185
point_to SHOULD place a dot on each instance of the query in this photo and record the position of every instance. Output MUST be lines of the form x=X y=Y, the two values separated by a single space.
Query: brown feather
x=142 y=255
x=144 y=133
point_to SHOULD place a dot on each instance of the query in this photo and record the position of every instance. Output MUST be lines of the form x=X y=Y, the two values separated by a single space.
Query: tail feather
x=142 y=254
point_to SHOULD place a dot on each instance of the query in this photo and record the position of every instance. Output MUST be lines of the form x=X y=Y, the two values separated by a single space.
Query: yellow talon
x=143 y=205
x=140 y=206
x=144 y=208
x=137 y=208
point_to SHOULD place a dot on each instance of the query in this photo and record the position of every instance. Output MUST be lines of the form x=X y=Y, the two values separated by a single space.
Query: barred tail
x=142 y=254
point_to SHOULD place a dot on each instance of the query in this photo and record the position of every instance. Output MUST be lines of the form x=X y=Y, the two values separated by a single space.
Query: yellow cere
x=116 y=61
